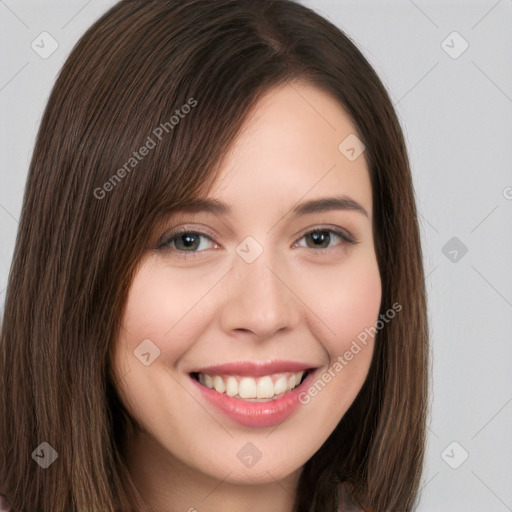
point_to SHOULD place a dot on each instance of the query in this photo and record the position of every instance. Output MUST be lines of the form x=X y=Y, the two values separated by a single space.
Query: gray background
x=455 y=109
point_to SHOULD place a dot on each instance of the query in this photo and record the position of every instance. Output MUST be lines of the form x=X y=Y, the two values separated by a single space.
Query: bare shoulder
x=4 y=506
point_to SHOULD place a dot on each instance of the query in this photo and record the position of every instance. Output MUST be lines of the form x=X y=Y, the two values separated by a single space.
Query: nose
x=259 y=299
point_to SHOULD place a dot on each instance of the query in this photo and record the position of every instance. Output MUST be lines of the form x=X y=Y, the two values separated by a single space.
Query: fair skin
x=299 y=300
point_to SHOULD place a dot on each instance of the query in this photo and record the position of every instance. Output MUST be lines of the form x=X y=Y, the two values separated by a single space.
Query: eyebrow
x=325 y=204
x=322 y=204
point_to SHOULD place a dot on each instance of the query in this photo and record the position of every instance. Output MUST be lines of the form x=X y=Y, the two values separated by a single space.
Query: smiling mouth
x=253 y=389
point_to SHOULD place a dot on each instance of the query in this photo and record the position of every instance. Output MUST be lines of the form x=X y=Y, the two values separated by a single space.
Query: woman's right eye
x=187 y=241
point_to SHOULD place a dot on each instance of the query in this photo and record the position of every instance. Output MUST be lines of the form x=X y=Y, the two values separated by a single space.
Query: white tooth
x=247 y=388
x=231 y=386
x=251 y=388
x=218 y=384
x=280 y=385
x=208 y=382
x=265 y=388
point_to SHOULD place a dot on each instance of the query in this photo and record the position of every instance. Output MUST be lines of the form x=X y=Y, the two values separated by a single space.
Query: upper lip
x=254 y=368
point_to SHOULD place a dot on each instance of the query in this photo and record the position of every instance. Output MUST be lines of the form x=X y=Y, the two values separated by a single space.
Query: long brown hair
x=84 y=227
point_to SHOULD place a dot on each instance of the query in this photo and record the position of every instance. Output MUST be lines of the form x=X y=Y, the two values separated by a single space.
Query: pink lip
x=254 y=368
x=256 y=414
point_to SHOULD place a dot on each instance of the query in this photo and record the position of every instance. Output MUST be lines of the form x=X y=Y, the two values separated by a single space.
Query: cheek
x=164 y=306
x=161 y=309
x=345 y=307
x=345 y=299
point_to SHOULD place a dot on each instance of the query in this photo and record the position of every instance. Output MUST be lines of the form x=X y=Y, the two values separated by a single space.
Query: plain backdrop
x=447 y=66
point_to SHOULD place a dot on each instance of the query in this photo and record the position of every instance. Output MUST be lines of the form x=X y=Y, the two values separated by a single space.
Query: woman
x=282 y=363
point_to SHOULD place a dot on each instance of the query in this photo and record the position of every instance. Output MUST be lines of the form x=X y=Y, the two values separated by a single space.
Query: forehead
x=289 y=149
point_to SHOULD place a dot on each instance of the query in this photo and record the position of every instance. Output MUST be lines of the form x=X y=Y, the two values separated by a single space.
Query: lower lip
x=256 y=414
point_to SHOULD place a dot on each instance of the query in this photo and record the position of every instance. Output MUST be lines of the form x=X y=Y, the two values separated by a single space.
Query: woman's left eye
x=324 y=239
x=194 y=242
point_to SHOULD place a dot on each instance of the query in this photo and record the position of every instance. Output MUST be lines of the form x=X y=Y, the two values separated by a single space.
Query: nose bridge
x=257 y=300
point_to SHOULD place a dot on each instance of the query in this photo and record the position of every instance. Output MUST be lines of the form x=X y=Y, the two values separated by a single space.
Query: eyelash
x=165 y=243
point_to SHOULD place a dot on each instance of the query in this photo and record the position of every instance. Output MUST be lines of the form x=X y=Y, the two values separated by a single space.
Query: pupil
x=321 y=237
x=189 y=240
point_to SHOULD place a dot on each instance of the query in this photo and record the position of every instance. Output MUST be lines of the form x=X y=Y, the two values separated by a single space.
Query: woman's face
x=264 y=288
